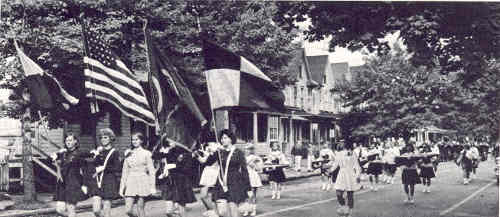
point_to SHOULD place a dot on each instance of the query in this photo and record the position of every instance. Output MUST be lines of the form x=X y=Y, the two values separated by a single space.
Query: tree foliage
x=392 y=97
x=51 y=35
x=452 y=35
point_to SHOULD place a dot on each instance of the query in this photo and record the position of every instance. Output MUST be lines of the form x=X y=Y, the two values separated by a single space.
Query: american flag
x=108 y=79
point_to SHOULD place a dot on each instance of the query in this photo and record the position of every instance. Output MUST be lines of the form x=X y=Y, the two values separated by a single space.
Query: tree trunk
x=28 y=176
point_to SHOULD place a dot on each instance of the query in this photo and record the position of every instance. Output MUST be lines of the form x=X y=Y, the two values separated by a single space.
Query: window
x=295 y=100
x=309 y=98
x=244 y=126
x=302 y=97
x=262 y=125
x=273 y=128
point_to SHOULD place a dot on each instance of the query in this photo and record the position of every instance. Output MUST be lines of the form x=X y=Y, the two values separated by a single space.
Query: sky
x=340 y=54
x=4 y=94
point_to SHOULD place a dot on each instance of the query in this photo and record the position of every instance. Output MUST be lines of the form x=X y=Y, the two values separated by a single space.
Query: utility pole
x=28 y=175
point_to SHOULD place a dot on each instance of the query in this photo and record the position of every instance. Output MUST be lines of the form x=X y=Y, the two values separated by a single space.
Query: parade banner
x=46 y=93
x=232 y=80
x=166 y=87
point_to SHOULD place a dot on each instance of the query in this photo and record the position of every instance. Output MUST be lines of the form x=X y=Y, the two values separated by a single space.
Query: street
x=303 y=197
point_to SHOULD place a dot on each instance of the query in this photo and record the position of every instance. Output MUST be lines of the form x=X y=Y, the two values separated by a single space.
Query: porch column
x=290 y=135
x=255 y=128
x=311 y=130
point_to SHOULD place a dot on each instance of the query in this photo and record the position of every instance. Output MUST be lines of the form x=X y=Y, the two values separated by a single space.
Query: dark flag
x=167 y=88
x=232 y=80
x=46 y=93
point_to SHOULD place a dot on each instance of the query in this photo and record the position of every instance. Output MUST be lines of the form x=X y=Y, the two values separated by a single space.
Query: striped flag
x=108 y=79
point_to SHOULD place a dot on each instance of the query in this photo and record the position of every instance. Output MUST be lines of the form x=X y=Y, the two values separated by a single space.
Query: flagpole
x=212 y=111
x=94 y=107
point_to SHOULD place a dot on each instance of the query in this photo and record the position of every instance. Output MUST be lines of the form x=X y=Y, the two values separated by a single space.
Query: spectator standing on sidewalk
x=297 y=153
x=138 y=176
x=310 y=149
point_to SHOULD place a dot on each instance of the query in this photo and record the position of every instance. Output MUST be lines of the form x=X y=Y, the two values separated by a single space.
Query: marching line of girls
x=230 y=177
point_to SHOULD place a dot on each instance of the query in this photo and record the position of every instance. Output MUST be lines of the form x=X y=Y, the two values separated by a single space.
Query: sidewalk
x=87 y=204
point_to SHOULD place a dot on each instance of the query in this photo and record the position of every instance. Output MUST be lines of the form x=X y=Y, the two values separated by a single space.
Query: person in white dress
x=255 y=165
x=326 y=155
x=347 y=177
x=209 y=176
x=390 y=164
x=138 y=176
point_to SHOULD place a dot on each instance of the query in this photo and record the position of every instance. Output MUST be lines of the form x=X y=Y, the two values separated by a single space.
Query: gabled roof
x=340 y=71
x=317 y=66
x=300 y=55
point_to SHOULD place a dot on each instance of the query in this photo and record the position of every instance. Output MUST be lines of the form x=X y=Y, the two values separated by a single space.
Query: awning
x=300 y=118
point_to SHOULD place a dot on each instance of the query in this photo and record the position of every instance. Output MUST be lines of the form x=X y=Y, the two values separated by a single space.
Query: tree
x=457 y=38
x=391 y=97
x=50 y=33
x=452 y=35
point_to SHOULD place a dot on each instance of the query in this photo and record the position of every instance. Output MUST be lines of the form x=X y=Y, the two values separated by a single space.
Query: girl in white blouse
x=138 y=176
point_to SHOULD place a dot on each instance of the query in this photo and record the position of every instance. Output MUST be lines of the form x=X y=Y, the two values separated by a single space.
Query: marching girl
x=70 y=189
x=175 y=178
x=138 y=176
x=209 y=177
x=427 y=173
x=108 y=167
x=254 y=166
x=465 y=161
x=374 y=167
x=435 y=159
x=475 y=158
x=347 y=182
x=276 y=175
x=390 y=155
x=327 y=156
x=233 y=183
x=409 y=175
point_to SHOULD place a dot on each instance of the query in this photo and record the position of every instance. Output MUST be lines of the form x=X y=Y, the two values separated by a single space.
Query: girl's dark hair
x=229 y=134
x=68 y=134
x=348 y=146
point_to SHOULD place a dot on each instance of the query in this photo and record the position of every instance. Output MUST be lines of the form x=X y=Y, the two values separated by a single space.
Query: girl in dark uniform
x=233 y=184
x=427 y=173
x=70 y=188
x=409 y=176
x=108 y=167
x=175 y=178
x=276 y=176
x=465 y=161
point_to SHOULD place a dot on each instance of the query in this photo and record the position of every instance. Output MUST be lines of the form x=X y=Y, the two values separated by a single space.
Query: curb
x=115 y=203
